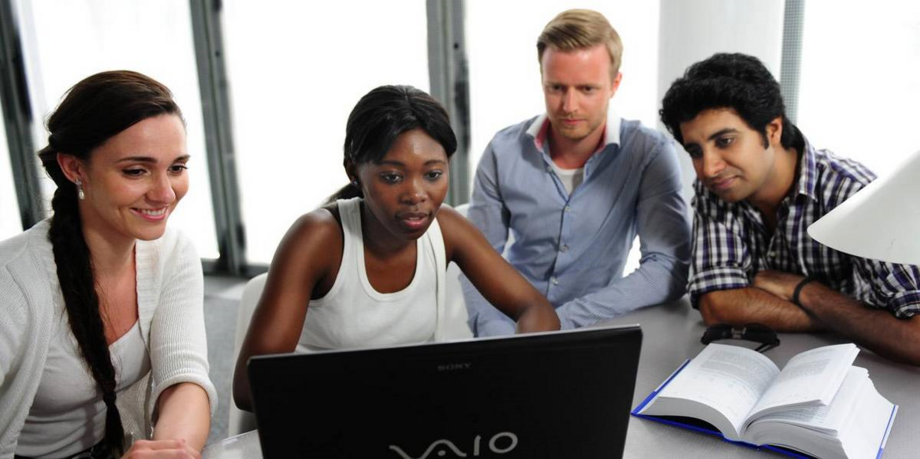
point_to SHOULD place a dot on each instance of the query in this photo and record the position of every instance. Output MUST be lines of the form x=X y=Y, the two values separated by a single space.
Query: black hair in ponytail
x=94 y=110
x=381 y=116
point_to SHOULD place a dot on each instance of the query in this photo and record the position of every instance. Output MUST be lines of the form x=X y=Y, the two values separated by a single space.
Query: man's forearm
x=659 y=280
x=746 y=305
x=876 y=329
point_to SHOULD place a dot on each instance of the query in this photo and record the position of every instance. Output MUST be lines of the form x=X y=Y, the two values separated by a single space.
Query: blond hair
x=581 y=29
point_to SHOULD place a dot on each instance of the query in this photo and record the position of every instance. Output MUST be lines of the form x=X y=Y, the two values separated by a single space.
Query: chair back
x=244 y=421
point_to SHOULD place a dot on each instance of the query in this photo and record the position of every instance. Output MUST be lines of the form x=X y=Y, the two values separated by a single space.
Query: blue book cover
x=701 y=426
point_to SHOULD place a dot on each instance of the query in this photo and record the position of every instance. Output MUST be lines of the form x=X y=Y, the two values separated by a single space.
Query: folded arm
x=876 y=329
x=720 y=285
x=758 y=304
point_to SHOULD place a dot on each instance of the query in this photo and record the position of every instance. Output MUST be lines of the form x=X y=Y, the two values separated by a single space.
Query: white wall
x=860 y=85
x=296 y=69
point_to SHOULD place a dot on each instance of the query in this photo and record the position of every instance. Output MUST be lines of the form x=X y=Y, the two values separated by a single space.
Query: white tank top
x=352 y=314
x=68 y=414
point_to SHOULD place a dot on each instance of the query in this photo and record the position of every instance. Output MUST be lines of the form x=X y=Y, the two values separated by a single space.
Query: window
x=10 y=223
x=859 y=87
x=68 y=41
x=296 y=69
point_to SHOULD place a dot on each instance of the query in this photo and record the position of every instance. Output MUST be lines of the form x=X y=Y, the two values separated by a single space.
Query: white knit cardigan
x=170 y=297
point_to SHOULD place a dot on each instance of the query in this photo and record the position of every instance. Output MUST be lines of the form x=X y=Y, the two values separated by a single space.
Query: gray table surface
x=671 y=334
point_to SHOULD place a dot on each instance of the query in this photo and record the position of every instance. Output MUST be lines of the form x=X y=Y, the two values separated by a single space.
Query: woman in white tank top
x=368 y=269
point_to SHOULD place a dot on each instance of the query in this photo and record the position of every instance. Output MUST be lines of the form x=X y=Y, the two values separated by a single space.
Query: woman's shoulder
x=313 y=232
x=451 y=222
x=322 y=222
x=18 y=278
x=307 y=251
x=25 y=305
x=13 y=249
x=456 y=230
x=28 y=279
x=29 y=250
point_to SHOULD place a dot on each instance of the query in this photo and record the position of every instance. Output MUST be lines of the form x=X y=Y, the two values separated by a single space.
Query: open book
x=819 y=404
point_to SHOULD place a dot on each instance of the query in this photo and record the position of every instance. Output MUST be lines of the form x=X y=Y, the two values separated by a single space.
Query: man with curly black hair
x=760 y=185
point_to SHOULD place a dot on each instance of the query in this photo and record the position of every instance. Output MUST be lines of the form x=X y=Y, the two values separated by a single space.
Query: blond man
x=576 y=184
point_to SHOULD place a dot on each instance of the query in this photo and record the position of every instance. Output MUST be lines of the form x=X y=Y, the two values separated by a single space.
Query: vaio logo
x=500 y=443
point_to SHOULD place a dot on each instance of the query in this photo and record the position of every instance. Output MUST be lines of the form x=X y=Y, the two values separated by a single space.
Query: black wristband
x=798 y=289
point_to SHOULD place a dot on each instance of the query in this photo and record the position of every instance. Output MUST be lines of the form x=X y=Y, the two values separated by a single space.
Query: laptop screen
x=552 y=395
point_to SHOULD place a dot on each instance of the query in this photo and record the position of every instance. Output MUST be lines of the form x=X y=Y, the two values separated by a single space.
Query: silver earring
x=80 y=193
x=354 y=183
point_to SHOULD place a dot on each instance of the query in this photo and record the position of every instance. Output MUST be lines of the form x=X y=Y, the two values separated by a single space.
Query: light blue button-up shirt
x=572 y=248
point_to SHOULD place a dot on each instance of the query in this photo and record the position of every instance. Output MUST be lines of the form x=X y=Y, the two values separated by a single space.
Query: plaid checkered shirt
x=731 y=243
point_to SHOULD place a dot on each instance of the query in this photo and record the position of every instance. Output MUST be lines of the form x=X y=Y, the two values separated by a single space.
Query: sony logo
x=500 y=443
x=455 y=366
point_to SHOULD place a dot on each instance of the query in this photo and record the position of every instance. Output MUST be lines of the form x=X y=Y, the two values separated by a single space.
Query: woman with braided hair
x=102 y=338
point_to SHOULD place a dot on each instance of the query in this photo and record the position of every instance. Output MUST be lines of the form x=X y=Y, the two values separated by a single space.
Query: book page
x=853 y=425
x=868 y=424
x=810 y=378
x=828 y=419
x=729 y=379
